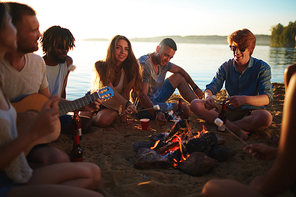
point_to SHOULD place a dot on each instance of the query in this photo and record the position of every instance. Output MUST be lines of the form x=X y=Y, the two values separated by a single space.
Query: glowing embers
x=180 y=148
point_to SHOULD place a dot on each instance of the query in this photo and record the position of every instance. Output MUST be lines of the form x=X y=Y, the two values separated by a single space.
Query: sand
x=111 y=149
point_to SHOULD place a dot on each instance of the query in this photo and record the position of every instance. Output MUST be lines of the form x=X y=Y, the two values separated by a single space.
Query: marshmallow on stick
x=219 y=122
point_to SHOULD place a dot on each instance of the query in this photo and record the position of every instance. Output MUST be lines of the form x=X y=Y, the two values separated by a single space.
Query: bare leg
x=44 y=155
x=186 y=110
x=197 y=107
x=228 y=188
x=179 y=82
x=258 y=120
x=78 y=174
x=289 y=71
x=104 y=117
x=51 y=190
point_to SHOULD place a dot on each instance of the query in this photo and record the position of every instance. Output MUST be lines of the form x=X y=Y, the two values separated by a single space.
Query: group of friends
x=30 y=166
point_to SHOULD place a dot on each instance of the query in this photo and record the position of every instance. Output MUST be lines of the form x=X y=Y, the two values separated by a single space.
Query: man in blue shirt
x=247 y=81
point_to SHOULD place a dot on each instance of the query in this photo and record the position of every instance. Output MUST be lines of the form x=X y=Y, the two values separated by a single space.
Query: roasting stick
x=136 y=101
x=219 y=122
x=155 y=107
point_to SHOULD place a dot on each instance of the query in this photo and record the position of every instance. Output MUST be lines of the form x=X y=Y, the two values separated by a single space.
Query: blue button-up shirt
x=253 y=81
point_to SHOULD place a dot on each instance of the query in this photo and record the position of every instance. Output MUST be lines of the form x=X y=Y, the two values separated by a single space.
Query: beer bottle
x=223 y=117
x=179 y=112
x=76 y=152
x=76 y=121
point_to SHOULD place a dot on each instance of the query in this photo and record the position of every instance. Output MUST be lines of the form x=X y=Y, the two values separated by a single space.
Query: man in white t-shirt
x=25 y=74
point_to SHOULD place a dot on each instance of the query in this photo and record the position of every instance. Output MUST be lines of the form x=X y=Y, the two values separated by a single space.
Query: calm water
x=199 y=60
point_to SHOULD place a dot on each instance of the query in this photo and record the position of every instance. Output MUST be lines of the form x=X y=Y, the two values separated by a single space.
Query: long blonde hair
x=104 y=69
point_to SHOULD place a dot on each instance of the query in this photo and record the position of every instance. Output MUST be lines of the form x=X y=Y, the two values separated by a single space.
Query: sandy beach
x=112 y=150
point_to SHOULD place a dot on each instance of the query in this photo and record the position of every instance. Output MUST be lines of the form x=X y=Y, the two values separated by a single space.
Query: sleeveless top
x=56 y=76
x=113 y=103
x=18 y=170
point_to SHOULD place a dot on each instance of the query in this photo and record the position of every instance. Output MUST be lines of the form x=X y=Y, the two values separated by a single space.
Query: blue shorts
x=6 y=184
x=166 y=92
x=4 y=191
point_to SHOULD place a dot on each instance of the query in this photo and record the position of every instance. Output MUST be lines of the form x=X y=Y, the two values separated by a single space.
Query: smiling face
x=164 y=54
x=241 y=56
x=121 y=51
x=28 y=34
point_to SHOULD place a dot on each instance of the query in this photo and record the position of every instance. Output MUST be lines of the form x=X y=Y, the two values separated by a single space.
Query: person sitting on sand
x=157 y=90
x=56 y=43
x=16 y=177
x=25 y=74
x=121 y=71
x=247 y=81
x=282 y=175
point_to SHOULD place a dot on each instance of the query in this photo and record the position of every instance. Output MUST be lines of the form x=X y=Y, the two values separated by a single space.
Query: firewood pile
x=194 y=153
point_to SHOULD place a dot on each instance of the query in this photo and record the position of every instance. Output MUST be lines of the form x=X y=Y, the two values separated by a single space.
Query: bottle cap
x=156 y=107
x=218 y=122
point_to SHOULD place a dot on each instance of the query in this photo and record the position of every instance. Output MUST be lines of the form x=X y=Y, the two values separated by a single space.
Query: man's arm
x=178 y=69
x=195 y=88
x=144 y=99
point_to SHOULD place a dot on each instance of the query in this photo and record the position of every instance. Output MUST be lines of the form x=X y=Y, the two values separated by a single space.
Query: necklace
x=116 y=72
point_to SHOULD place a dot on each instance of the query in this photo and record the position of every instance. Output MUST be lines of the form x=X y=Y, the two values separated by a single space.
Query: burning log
x=147 y=158
x=220 y=153
x=197 y=164
x=200 y=144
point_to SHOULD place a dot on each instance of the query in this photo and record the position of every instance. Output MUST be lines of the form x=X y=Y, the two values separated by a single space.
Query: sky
x=149 y=18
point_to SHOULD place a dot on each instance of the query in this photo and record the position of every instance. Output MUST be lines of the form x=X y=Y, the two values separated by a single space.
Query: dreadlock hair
x=50 y=36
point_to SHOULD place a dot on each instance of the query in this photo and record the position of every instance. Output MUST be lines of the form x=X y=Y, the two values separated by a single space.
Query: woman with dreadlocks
x=56 y=42
x=121 y=71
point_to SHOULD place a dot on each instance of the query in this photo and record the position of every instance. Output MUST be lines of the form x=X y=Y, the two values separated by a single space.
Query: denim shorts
x=166 y=92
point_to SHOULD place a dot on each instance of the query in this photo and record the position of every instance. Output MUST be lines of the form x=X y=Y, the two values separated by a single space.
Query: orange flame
x=155 y=145
x=204 y=130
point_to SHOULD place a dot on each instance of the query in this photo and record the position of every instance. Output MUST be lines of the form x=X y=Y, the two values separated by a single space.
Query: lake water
x=199 y=60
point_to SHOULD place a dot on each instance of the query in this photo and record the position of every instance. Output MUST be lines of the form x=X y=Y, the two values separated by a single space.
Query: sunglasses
x=233 y=48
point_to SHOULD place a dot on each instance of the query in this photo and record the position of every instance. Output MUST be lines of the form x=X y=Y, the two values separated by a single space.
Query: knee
x=196 y=105
x=94 y=173
x=264 y=119
x=210 y=187
x=186 y=111
x=102 y=121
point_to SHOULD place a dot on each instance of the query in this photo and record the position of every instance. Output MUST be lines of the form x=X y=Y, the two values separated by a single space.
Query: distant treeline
x=261 y=39
x=282 y=36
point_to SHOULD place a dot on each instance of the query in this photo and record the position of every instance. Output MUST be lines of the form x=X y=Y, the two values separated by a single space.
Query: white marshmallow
x=218 y=122
x=156 y=107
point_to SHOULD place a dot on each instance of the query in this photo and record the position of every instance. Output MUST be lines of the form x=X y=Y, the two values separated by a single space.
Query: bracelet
x=127 y=104
x=195 y=88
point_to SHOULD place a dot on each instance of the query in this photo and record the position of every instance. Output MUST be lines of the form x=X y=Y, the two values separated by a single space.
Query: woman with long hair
x=121 y=71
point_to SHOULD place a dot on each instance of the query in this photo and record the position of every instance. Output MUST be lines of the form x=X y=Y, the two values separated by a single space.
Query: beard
x=56 y=57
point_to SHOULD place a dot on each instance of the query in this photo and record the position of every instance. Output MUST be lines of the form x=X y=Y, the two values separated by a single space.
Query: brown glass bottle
x=179 y=112
x=76 y=152
x=222 y=116
x=76 y=122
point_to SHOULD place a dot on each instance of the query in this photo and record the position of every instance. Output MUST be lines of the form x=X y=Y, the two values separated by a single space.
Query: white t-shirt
x=31 y=79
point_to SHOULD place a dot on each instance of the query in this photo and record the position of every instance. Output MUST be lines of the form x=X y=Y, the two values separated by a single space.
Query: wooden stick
x=236 y=136
x=136 y=101
x=145 y=109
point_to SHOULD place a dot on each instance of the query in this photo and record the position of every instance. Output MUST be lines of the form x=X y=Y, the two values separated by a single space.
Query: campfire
x=194 y=153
